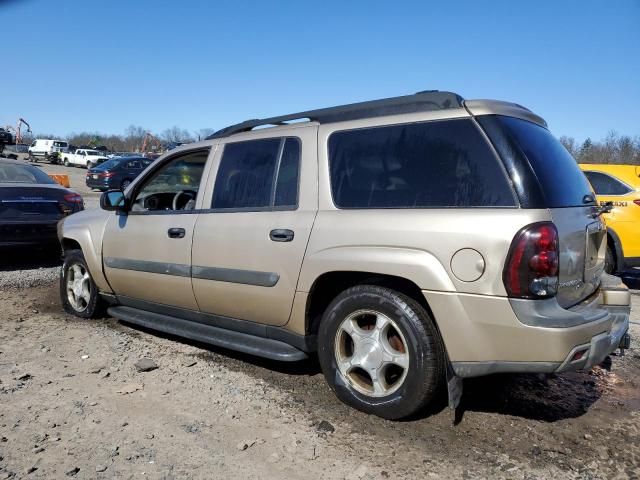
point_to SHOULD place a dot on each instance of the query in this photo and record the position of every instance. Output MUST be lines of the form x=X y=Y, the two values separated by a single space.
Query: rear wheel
x=89 y=165
x=610 y=261
x=380 y=351
x=66 y=162
x=78 y=291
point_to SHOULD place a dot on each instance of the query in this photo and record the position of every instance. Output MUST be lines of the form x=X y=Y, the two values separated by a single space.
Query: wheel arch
x=330 y=284
x=79 y=236
x=614 y=240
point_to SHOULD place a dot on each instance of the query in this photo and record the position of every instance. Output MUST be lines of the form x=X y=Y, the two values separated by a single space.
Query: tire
x=610 y=266
x=66 y=162
x=87 y=304
x=89 y=165
x=408 y=334
x=125 y=183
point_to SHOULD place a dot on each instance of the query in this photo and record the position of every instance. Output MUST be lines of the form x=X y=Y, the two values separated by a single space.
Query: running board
x=220 y=337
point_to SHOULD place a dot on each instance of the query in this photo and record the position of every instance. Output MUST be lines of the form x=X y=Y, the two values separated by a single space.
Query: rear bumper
x=22 y=234
x=98 y=184
x=486 y=335
x=596 y=350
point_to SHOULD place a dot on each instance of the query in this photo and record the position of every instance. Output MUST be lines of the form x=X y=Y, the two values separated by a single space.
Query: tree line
x=130 y=141
x=614 y=148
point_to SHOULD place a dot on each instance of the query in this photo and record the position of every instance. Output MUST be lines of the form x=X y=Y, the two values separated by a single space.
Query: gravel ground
x=77 y=401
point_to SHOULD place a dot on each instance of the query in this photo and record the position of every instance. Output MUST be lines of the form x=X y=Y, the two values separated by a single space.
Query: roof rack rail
x=427 y=100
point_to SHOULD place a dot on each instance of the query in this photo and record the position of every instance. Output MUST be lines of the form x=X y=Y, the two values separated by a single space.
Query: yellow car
x=619 y=184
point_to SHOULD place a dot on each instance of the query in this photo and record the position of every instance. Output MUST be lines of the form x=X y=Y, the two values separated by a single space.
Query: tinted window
x=606 y=185
x=562 y=182
x=287 y=182
x=431 y=164
x=247 y=174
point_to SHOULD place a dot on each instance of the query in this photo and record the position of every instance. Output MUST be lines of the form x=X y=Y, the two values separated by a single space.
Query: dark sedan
x=116 y=173
x=31 y=204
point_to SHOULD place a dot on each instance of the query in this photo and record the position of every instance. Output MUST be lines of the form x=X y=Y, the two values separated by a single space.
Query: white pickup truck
x=83 y=157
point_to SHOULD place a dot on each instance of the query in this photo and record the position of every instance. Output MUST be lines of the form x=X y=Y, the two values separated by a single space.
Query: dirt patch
x=73 y=404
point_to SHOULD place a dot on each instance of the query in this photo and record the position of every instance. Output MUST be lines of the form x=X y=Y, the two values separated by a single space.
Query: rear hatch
x=29 y=214
x=565 y=191
x=32 y=203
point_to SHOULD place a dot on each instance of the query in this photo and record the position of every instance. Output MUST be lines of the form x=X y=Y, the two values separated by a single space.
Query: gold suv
x=408 y=242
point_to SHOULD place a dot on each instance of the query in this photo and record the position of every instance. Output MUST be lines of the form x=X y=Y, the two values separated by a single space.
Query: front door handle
x=281 y=235
x=176 y=232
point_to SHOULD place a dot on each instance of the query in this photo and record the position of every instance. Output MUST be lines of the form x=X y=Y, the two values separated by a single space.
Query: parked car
x=619 y=184
x=31 y=203
x=83 y=157
x=47 y=149
x=408 y=243
x=116 y=173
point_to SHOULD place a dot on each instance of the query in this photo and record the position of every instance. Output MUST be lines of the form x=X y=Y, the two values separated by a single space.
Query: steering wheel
x=189 y=193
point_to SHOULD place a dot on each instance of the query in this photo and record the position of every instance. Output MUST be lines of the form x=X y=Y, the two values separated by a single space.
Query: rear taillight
x=72 y=198
x=531 y=270
x=637 y=202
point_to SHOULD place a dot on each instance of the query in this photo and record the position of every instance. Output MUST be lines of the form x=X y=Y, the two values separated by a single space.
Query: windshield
x=13 y=173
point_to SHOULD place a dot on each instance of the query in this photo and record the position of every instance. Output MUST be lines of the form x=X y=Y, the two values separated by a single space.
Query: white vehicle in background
x=47 y=148
x=84 y=157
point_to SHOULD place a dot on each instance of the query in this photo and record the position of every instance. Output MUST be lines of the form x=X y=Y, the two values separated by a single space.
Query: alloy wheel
x=371 y=353
x=78 y=287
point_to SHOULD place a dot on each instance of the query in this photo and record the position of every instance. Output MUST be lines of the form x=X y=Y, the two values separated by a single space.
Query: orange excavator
x=21 y=121
x=152 y=142
x=17 y=130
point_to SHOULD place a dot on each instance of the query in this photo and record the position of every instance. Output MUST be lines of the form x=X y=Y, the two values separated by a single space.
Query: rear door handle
x=176 y=232
x=281 y=235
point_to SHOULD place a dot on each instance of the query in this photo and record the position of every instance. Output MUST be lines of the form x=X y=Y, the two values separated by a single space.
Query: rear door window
x=604 y=184
x=258 y=175
x=435 y=164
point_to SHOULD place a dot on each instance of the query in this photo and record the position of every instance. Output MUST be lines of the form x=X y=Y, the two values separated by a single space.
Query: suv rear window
x=419 y=165
x=562 y=182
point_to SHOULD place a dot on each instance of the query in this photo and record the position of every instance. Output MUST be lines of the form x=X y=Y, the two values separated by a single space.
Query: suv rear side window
x=604 y=184
x=419 y=165
x=258 y=174
x=562 y=182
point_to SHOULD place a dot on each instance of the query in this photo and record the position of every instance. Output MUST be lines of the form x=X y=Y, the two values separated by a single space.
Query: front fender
x=87 y=229
x=418 y=266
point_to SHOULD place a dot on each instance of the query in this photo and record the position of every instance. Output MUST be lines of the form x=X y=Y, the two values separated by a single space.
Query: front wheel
x=66 y=162
x=78 y=291
x=380 y=351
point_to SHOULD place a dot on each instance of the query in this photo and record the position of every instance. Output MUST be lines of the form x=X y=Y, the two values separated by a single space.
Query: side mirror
x=113 y=200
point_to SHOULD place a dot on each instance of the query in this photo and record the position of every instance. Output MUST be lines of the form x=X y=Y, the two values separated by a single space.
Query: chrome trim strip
x=232 y=275
x=162 y=268
x=229 y=275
